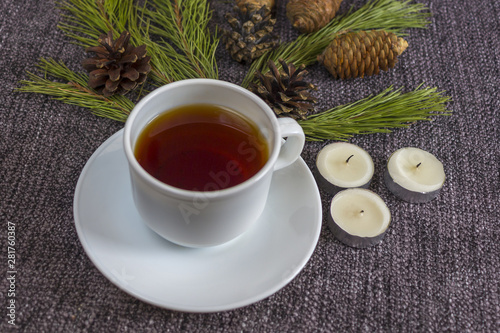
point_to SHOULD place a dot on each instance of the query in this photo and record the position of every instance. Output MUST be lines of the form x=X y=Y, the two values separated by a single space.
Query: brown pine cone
x=285 y=90
x=362 y=53
x=118 y=67
x=311 y=15
x=251 y=33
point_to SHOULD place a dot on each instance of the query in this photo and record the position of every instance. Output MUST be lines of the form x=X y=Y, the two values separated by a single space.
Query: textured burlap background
x=438 y=269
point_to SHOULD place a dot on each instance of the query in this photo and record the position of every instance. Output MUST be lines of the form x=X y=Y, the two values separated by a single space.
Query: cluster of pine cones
x=349 y=55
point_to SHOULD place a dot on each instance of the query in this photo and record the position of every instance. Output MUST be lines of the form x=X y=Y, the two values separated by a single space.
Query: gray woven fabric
x=438 y=268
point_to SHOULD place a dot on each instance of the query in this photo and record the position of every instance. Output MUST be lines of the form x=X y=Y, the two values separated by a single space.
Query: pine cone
x=245 y=5
x=311 y=15
x=362 y=53
x=285 y=91
x=252 y=34
x=118 y=66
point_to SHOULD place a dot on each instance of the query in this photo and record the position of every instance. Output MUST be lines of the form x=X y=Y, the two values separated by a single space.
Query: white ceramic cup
x=202 y=219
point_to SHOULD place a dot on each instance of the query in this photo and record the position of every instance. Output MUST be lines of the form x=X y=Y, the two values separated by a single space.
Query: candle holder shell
x=342 y=165
x=353 y=240
x=408 y=195
x=360 y=238
x=414 y=175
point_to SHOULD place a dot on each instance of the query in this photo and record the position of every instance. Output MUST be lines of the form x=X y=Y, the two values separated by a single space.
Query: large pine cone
x=311 y=15
x=118 y=66
x=251 y=34
x=362 y=53
x=285 y=91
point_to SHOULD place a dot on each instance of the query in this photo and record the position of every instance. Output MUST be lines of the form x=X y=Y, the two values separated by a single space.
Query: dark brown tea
x=201 y=147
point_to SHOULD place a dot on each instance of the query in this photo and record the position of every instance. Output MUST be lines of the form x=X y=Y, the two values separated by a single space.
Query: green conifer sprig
x=185 y=25
x=72 y=88
x=175 y=32
x=376 y=114
x=85 y=20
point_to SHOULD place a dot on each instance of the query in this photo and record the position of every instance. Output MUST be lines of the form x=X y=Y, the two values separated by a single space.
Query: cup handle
x=291 y=148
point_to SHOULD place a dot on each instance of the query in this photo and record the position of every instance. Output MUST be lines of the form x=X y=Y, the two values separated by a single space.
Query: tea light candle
x=414 y=175
x=358 y=217
x=342 y=165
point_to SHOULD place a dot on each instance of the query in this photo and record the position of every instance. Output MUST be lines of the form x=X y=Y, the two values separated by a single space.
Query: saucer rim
x=135 y=292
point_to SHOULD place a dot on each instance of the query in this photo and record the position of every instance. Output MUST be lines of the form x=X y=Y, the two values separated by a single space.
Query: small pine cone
x=245 y=5
x=118 y=66
x=362 y=53
x=311 y=15
x=285 y=91
x=251 y=34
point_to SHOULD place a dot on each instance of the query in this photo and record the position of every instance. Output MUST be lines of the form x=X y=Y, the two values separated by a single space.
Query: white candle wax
x=344 y=165
x=359 y=217
x=414 y=175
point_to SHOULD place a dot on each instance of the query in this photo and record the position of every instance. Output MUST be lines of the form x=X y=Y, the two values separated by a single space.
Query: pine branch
x=185 y=25
x=186 y=48
x=76 y=91
x=85 y=20
x=376 y=114
x=390 y=15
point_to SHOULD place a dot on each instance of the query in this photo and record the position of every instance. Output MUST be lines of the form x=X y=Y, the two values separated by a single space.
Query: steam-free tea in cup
x=201 y=147
x=205 y=148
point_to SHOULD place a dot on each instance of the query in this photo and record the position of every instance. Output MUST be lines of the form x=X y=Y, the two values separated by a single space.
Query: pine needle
x=389 y=15
x=376 y=114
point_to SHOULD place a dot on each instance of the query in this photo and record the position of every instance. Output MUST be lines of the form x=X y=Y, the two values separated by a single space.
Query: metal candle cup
x=414 y=175
x=358 y=217
x=342 y=165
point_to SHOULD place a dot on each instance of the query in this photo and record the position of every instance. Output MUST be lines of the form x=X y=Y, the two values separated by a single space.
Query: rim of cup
x=183 y=193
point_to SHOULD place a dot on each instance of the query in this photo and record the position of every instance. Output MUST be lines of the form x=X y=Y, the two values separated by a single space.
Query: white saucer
x=248 y=269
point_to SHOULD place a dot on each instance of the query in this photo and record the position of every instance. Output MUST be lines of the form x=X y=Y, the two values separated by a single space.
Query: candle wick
x=361 y=212
x=419 y=164
x=347 y=161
